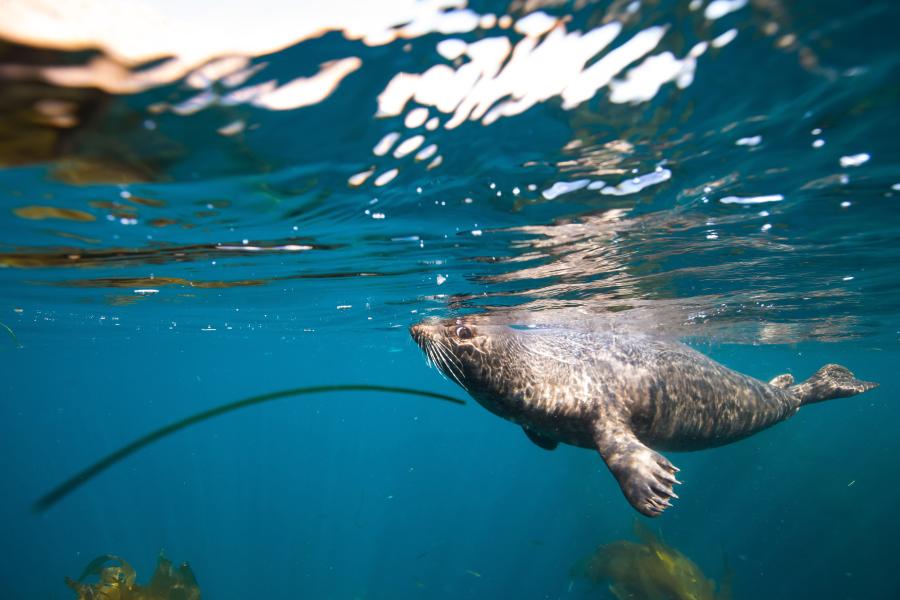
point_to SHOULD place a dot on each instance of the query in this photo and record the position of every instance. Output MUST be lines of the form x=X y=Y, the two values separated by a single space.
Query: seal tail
x=831 y=381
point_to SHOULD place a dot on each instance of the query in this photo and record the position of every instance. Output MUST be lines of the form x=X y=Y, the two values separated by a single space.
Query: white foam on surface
x=427 y=152
x=855 y=160
x=500 y=79
x=724 y=39
x=384 y=144
x=306 y=91
x=416 y=117
x=536 y=24
x=408 y=146
x=386 y=177
x=644 y=81
x=564 y=187
x=719 y=8
x=636 y=184
x=751 y=199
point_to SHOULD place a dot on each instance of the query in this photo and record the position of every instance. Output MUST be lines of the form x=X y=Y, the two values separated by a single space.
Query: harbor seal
x=625 y=396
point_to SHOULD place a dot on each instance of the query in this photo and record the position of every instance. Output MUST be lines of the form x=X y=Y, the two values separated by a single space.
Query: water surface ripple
x=726 y=168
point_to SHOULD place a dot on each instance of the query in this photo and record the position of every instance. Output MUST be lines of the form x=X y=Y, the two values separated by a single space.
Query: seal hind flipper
x=539 y=440
x=831 y=381
x=646 y=477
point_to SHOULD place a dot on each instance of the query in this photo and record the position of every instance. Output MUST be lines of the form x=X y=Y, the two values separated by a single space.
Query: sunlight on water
x=485 y=68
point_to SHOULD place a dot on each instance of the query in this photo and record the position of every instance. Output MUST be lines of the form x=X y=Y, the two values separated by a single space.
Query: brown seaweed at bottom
x=117 y=580
x=650 y=570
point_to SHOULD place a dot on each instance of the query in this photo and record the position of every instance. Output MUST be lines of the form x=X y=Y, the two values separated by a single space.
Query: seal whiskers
x=438 y=354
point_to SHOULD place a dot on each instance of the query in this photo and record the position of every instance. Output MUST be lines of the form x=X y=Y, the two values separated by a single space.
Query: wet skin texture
x=623 y=395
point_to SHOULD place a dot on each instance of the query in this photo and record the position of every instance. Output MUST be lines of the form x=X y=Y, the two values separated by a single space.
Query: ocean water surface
x=201 y=203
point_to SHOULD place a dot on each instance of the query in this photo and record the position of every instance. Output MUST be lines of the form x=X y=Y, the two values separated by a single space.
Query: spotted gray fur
x=623 y=395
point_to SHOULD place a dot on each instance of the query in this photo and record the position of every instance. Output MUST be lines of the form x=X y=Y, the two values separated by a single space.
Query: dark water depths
x=262 y=198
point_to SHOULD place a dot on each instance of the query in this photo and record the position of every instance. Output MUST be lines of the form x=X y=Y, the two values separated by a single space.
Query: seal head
x=459 y=349
x=491 y=362
x=446 y=342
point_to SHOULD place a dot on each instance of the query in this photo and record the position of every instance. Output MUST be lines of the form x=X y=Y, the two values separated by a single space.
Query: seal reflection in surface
x=624 y=395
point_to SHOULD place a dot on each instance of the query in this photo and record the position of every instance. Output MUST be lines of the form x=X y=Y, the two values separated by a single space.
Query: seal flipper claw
x=645 y=476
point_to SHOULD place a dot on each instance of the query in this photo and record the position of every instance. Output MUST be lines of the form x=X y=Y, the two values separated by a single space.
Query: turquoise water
x=199 y=237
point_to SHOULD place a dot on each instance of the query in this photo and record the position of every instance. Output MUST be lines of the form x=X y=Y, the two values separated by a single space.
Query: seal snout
x=417 y=332
x=422 y=331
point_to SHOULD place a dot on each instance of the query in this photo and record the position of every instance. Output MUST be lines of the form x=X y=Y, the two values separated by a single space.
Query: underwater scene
x=414 y=299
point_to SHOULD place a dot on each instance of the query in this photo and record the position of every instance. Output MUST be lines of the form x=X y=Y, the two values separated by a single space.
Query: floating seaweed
x=117 y=580
x=650 y=570
x=39 y=213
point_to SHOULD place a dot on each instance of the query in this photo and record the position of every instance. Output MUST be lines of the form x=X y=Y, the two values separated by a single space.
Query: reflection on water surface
x=600 y=157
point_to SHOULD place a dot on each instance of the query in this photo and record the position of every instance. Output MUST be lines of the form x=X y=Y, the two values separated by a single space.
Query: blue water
x=215 y=267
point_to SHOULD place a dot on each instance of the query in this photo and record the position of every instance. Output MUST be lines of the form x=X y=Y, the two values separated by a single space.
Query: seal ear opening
x=829 y=382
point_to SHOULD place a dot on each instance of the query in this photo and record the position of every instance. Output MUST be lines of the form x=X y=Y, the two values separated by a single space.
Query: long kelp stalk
x=11 y=333
x=79 y=479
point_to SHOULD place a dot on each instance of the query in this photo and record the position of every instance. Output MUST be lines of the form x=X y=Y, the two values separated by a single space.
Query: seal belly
x=539 y=408
x=549 y=393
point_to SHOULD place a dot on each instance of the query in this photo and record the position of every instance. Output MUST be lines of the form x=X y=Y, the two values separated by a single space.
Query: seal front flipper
x=646 y=477
x=541 y=441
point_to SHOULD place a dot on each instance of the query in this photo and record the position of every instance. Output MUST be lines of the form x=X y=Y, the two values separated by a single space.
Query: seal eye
x=463 y=332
